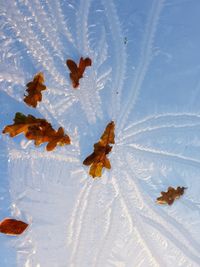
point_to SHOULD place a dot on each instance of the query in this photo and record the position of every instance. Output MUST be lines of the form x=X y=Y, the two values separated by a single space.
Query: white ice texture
x=145 y=75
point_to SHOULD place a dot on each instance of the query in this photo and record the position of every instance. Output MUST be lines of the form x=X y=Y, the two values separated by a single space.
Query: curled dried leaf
x=77 y=71
x=38 y=130
x=98 y=159
x=171 y=194
x=22 y=124
x=12 y=227
x=58 y=138
x=34 y=90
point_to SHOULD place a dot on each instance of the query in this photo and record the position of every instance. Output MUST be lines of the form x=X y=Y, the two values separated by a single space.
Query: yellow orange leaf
x=98 y=159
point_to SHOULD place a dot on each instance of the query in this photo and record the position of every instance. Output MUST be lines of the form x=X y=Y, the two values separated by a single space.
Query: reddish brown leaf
x=171 y=194
x=98 y=159
x=34 y=90
x=77 y=71
x=38 y=130
x=12 y=227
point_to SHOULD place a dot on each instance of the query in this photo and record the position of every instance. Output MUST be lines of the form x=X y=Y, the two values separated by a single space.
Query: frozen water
x=145 y=77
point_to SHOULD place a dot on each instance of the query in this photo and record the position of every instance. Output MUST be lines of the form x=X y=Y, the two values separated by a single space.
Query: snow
x=149 y=85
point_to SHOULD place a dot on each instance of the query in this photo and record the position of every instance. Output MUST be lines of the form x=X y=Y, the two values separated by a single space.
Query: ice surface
x=145 y=77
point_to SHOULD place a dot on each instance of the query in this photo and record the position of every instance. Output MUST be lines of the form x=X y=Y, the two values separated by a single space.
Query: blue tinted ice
x=145 y=76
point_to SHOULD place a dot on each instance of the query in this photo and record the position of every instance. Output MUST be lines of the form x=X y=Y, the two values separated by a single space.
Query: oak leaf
x=77 y=71
x=12 y=227
x=49 y=135
x=34 y=90
x=22 y=124
x=38 y=130
x=98 y=159
x=171 y=194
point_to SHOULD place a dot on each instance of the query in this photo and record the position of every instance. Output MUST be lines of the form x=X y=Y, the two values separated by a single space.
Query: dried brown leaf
x=98 y=159
x=77 y=71
x=171 y=194
x=12 y=227
x=58 y=138
x=22 y=124
x=34 y=90
x=38 y=130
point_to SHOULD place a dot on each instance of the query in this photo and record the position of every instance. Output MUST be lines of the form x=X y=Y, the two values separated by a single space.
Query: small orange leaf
x=98 y=159
x=34 y=90
x=171 y=194
x=12 y=227
x=77 y=71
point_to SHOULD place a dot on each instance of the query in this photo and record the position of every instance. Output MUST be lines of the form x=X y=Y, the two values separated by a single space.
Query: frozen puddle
x=144 y=76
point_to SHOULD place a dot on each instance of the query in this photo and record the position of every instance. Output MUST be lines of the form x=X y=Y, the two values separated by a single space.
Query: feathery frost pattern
x=142 y=85
x=145 y=58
